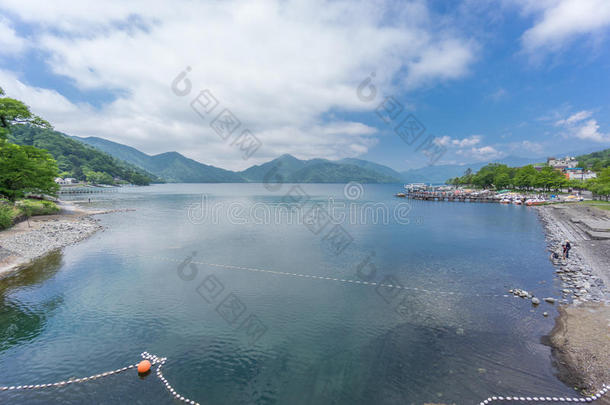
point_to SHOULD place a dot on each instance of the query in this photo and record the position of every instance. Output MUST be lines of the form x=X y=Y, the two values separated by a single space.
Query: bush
x=7 y=213
x=37 y=207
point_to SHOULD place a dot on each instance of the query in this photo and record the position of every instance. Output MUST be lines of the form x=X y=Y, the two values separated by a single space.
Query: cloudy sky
x=486 y=79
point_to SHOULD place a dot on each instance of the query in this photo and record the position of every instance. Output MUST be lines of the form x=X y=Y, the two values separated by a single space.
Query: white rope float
x=154 y=360
x=333 y=279
x=590 y=398
x=160 y=361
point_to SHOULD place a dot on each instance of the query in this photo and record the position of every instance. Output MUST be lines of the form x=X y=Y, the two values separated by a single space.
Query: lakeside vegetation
x=11 y=213
x=24 y=169
x=526 y=178
x=33 y=155
x=77 y=160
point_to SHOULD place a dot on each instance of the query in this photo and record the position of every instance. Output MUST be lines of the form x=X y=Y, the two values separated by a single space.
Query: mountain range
x=127 y=162
x=174 y=167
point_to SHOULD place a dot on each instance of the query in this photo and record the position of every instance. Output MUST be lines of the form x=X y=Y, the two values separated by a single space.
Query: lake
x=218 y=279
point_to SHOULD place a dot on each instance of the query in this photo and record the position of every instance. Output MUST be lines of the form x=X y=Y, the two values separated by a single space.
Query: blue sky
x=487 y=79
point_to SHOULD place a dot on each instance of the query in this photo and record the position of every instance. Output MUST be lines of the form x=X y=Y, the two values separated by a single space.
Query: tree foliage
x=595 y=161
x=77 y=160
x=600 y=185
x=524 y=178
x=14 y=112
x=26 y=169
x=23 y=169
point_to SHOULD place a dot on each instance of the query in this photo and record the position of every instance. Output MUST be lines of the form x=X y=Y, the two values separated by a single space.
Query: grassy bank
x=602 y=205
x=11 y=213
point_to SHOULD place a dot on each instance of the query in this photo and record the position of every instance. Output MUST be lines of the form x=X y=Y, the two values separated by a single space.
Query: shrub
x=37 y=207
x=7 y=213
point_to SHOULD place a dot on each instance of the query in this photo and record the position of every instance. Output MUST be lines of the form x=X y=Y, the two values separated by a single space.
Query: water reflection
x=22 y=321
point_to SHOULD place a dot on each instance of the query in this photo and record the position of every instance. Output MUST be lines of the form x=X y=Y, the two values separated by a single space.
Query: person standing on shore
x=566 y=249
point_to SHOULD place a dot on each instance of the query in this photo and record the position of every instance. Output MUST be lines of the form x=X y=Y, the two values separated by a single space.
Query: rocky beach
x=580 y=340
x=29 y=240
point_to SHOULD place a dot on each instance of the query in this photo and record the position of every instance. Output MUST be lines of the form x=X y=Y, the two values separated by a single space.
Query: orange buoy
x=144 y=367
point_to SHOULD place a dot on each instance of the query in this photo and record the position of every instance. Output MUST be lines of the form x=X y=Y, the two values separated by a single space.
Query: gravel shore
x=585 y=275
x=40 y=235
x=580 y=340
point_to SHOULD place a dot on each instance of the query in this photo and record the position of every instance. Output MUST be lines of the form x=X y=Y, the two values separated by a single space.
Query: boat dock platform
x=444 y=196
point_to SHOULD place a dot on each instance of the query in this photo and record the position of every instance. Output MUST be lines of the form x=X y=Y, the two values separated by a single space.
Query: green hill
x=173 y=167
x=289 y=169
x=77 y=160
x=376 y=167
x=329 y=172
x=595 y=161
x=170 y=166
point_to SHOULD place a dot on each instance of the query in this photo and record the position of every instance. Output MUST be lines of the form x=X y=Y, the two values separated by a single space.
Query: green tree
x=601 y=185
x=502 y=180
x=15 y=112
x=23 y=169
x=525 y=176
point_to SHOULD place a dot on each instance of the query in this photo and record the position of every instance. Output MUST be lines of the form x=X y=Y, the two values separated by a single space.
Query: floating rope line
x=160 y=361
x=590 y=398
x=334 y=279
x=154 y=360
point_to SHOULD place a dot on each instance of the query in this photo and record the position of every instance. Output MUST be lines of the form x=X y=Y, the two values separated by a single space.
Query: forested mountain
x=372 y=166
x=173 y=167
x=170 y=166
x=289 y=169
x=77 y=160
x=330 y=172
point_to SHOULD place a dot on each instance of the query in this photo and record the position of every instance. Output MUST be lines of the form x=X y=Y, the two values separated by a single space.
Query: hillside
x=595 y=161
x=170 y=166
x=77 y=160
x=365 y=164
x=288 y=168
x=173 y=167
x=329 y=172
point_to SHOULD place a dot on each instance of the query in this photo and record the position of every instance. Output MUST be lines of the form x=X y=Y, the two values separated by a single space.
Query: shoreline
x=580 y=339
x=27 y=241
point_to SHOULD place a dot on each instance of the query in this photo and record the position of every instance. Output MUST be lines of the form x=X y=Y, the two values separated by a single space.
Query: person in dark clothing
x=567 y=248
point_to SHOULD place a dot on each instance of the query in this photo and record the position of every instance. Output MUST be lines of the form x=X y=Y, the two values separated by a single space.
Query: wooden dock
x=87 y=190
x=444 y=196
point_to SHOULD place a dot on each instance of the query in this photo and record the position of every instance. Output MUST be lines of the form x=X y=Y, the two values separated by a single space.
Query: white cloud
x=560 y=21
x=574 y=118
x=529 y=146
x=580 y=125
x=459 y=143
x=483 y=153
x=279 y=66
x=10 y=42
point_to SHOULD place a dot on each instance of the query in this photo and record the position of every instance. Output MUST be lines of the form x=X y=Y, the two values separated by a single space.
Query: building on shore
x=66 y=181
x=578 y=173
x=562 y=164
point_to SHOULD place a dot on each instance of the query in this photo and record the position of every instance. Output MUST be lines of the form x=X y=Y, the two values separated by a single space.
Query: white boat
x=416 y=187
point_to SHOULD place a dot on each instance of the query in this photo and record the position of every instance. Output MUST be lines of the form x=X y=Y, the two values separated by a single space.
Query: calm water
x=235 y=336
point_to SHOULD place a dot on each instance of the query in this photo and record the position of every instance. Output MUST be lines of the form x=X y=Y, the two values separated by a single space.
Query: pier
x=87 y=190
x=447 y=196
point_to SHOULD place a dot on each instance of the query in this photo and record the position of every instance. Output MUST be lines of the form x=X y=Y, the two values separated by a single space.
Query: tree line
x=501 y=176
